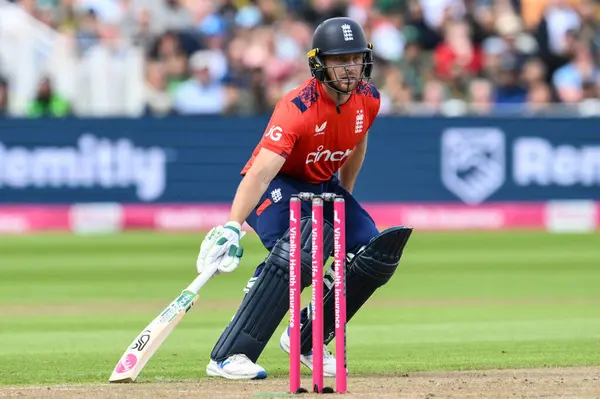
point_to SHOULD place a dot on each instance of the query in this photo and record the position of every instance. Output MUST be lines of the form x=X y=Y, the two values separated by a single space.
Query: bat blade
x=150 y=339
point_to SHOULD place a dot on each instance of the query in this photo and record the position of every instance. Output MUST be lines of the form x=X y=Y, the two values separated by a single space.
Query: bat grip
x=201 y=280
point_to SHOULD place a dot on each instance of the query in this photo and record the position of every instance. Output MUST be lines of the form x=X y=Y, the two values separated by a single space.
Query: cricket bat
x=151 y=338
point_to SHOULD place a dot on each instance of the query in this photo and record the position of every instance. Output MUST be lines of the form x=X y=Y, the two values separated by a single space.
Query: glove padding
x=221 y=246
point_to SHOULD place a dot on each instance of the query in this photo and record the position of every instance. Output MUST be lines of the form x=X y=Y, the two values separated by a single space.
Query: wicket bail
x=339 y=228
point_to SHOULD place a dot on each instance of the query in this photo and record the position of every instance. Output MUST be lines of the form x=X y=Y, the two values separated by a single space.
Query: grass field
x=69 y=306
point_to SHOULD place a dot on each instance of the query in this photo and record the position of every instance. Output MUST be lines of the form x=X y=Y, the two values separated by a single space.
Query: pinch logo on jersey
x=326 y=155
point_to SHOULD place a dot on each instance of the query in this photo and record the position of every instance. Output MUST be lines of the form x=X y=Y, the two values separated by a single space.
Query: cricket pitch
x=568 y=382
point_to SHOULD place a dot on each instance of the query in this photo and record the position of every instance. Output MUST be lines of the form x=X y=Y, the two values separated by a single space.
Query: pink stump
x=295 y=291
x=317 y=293
x=339 y=251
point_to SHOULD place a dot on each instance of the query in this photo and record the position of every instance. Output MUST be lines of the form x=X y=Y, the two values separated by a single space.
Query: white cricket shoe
x=236 y=367
x=307 y=360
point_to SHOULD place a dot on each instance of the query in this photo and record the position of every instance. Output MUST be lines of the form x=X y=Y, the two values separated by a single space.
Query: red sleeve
x=283 y=129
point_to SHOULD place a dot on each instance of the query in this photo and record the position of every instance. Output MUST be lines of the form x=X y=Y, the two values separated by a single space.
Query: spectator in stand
x=554 y=33
x=133 y=57
x=416 y=64
x=396 y=95
x=509 y=90
x=437 y=13
x=457 y=54
x=165 y=15
x=481 y=96
x=47 y=102
x=581 y=73
x=533 y=71
x=159 y=102
x=539 y=99
x=169 y=51
x=203 y=93
x=434 y=97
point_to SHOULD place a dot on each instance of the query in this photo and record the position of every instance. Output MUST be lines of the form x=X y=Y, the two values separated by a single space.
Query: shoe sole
x=219 y=372
x=303 y=359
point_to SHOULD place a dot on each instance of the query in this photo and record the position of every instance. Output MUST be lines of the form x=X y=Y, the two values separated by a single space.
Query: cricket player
x=316 y=130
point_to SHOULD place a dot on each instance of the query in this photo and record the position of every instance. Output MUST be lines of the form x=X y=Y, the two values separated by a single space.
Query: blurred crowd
x=182 y=57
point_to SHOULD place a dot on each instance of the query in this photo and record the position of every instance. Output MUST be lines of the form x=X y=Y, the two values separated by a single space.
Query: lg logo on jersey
x=326 y=155
x=275 y=133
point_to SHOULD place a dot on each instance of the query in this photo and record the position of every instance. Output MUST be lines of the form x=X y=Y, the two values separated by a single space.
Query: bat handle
x=201 y=280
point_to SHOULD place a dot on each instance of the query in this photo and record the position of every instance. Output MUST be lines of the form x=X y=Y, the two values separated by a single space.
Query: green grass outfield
x=69 y=306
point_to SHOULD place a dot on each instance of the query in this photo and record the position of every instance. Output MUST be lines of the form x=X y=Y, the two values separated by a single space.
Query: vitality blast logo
x=91 y=163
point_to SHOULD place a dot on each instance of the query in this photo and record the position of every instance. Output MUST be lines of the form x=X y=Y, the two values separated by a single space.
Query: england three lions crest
x=473 y=162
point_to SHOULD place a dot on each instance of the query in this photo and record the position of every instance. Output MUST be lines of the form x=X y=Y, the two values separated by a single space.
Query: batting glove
x=221 y=249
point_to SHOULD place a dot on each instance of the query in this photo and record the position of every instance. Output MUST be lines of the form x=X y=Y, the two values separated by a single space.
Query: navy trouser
x=271 y=218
